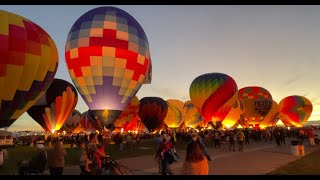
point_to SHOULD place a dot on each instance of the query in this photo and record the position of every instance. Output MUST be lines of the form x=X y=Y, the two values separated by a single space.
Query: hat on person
x=40 y=146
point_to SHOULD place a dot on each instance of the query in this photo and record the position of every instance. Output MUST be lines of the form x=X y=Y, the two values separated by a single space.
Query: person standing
x=195 y=163
x=240 y=137
x=56 y=158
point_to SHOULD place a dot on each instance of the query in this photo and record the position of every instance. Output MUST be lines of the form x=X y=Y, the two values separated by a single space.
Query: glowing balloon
x=295 y=109
x=213 y=95
x=152 y=112
x=258 y=102
x=192 y=118
x=128 y=114
x=272 y=117
x=175 y=115
x=29 y=61
x=232 y=118
x=72 y=122
x=55 y=106
x=107 y=54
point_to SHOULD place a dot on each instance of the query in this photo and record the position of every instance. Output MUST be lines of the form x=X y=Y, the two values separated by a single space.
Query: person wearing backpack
x=93 y=150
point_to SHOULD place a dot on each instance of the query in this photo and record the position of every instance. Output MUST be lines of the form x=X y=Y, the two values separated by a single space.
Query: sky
x=275 y=47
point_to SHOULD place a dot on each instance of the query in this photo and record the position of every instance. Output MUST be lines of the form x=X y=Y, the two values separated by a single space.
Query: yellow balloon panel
x=234 y=114
x=175 y=115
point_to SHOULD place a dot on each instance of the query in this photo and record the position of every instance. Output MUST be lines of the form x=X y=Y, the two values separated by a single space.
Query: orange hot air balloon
x=55 y=106
x=295 y=109
x=213 y=95
x=29 y=61
x=128 y=114
x=107 y=54
x=232 y=118
x=175 y=115
x=258 y=103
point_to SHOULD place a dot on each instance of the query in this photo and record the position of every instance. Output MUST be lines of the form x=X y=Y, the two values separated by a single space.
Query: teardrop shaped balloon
x=128 y=114
x=72 y=122
x=174 y=116
x=258 y=103
x=55 y=106
x=29 y=61
x=192 y=118
x=213 y=95
x=107 y=54
x=296 y=109
x=232 y=118
x=152 y=112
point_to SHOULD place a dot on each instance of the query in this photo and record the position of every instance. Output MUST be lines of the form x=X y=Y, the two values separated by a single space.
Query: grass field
x=19 y=153
x=307 y=165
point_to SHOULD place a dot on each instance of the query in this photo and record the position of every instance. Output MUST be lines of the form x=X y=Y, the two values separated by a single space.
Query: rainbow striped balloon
x=213 y=95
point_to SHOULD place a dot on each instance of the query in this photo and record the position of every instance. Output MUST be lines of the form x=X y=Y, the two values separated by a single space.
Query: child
x=84 y=160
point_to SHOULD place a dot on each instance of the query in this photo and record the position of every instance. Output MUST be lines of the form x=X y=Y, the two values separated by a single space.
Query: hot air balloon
x=72 y=122
x=258 y=102
x=295 y=109
x=55 y=106
x=88 y=126
x=192 y=118
x=152 y=112
x=107 y=54
x=135 y=125
x=175 y=115
x=29 y=61
x=213 y=95
x=130 y=113
x=272 y=117
x=232 y=118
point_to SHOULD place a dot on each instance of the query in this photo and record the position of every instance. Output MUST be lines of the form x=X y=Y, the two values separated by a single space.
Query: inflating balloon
x=107 y=54
x=29 y=61
x=213 y=95
x=258 y=103
x=152 y=112
x=128 y=114
x=175 y=115
x=192 y=118
x=232 y=118
x=89 y=125
x=272 y=117
x=72 y=122
x=55 y=106
x=295 y=109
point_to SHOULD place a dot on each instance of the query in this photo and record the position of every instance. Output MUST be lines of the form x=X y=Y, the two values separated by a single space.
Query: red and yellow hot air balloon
x=130 y=113
x=192 y=118
x=258 y=103
x=175 y=115
x=213 y=95
x=55 y=106
x=90 y=125
x=107 y=54
x=295 y=109
x=232 y=118
x=152 y=112
x=29 y=61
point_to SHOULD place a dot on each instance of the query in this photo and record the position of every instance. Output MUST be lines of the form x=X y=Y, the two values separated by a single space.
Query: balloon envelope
x=29 y=61
x=152 y=112
x=175 y=115
x=258 y=103
x=107 y=54
x=72 y=122
x=232 y=118
x=213 y=95
x=192 y=118
x=128 y=114
x=272 y=117
x=295 y=109
x=55 y=106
